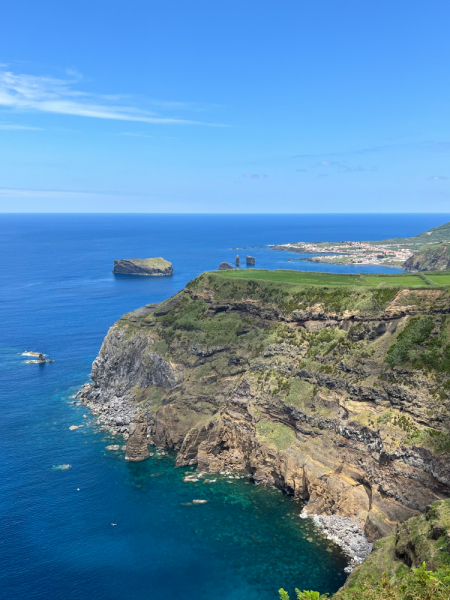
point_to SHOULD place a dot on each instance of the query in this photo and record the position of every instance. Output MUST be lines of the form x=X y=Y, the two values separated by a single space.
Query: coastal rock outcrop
x=137 y=449
x=250 y=260
x=224 y=266
x=143 y=266
x=308 y=389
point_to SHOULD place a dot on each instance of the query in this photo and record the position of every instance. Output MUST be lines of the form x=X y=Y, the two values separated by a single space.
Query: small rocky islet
x=143 y=267
x=38 y=358
x=310 y=389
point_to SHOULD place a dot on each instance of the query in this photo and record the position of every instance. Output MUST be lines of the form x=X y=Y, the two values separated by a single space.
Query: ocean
x=104 y=529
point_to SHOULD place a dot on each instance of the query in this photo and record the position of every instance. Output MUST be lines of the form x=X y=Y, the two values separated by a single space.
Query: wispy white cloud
x=344 y=168
x=35 y=193
x=136 y=134
x=255 y=176
x=37 y=94
x=438 y=178
x=13 y=126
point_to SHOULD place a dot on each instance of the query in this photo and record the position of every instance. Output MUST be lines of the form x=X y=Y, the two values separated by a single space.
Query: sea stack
x=238 y=262
x=143 y=266
x=137 y=449
x=224 y=266
x=250 y=260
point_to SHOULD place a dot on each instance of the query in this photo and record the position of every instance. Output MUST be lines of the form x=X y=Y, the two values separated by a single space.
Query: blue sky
x=200 y=106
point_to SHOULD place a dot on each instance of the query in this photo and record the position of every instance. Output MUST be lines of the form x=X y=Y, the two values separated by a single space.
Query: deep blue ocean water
x=58 y=296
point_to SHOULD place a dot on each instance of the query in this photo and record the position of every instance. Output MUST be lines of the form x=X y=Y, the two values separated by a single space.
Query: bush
x=407 y=346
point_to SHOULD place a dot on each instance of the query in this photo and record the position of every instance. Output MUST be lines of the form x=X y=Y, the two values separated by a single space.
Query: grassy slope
x=154 y=263
x=436 y=234
x=387 y=572
x=439 y=278
x=328 y=279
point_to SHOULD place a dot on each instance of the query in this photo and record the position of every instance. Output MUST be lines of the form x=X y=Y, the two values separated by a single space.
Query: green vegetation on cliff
x=417 y=346
x=431 y=257
x=337 y=394
x=411 y=563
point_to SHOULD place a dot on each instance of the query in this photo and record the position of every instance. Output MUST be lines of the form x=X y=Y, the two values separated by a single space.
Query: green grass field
x=331 y=279
x=403 y=280
x=295 y=277
x=440 y=279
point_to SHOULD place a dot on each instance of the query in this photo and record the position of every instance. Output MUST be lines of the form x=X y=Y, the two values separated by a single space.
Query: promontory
x=333 y=388
x=143 y=266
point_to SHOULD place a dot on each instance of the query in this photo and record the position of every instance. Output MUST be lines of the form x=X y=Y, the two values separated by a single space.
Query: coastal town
x=358 y=253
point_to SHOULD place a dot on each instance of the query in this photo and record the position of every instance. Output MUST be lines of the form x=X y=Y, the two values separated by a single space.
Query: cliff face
x=339 y=396
x=435 y=257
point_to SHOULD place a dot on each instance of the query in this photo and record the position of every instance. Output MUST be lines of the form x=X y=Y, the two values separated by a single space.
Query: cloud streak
x=36 y=94
x=255 y=176
x=14 y=127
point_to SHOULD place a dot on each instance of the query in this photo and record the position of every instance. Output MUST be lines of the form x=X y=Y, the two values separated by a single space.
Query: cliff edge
x=338 y=395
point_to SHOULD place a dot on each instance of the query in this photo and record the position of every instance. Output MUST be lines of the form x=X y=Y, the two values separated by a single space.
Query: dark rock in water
x=238 y=262
x=137 y=449
x=224 y=266
x=143 y=266
x=250 y=260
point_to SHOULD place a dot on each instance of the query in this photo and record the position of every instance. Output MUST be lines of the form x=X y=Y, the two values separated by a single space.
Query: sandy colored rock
x=137 y=449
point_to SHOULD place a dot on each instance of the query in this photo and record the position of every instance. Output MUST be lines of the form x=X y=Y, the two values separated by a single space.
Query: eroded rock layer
x=339 y=396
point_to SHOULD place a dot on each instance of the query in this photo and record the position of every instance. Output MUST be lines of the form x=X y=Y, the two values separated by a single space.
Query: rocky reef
x=433 y=257
x=339 y=396
x=226 y=266
x=143 y=266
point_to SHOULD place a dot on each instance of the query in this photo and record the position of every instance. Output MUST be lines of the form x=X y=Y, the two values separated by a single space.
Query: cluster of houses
x=363 y=253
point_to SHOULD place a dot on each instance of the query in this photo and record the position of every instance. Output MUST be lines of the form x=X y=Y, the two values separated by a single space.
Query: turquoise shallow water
x=58 y=296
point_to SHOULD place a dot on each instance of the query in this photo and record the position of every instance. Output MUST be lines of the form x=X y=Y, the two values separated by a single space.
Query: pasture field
x=302 y=277
x=406 y=280
x=439 y=279
x=331 y=279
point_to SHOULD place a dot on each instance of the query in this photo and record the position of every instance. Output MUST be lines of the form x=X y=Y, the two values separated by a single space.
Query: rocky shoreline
x=347 y=533
x=121 y=418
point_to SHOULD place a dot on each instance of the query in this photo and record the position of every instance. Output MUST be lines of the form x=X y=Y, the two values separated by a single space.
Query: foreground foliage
x=418 y=584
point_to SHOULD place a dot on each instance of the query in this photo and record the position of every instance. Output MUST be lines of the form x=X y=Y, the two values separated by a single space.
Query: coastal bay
x=60 y=299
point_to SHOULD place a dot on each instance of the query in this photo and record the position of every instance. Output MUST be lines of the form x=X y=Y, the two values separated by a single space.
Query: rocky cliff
x=339 y=396
x=143 y=266
x=435 y=257
x=394 y=569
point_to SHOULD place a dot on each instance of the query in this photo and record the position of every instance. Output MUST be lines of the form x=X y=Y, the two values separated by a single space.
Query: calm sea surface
x=57 y=541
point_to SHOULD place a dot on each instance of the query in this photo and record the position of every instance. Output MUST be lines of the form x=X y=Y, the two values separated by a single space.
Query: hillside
x=411 y=563
x=388 y=573
x=390 y=252
x=434 y=257
x=435 y=235
x=338 y=395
